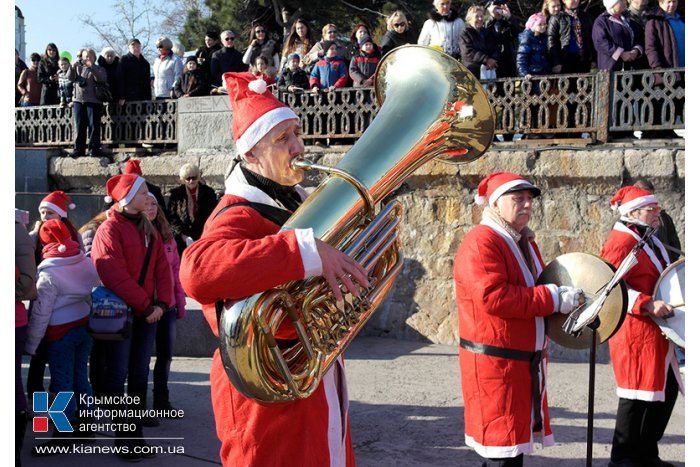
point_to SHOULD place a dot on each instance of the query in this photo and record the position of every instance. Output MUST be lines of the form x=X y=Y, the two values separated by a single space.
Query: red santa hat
x=255 y=109
x=57 y=241
x=122 y=188
x=133 y=166
x=58 y=202
x=629 y=198
x=500 y=183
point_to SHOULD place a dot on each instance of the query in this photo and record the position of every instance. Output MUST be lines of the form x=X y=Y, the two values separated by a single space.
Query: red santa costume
x=310 y=432
x=502 y=330
x=643 y=360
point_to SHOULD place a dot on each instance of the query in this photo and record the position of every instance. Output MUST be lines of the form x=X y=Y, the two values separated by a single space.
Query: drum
x=591 y=274
x=671 y=289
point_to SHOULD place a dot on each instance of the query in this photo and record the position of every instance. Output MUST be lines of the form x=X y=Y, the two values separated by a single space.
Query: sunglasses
x=258 y=31
x=228 y=38
x=332 y=32
x=191 y=179
x=400 y=25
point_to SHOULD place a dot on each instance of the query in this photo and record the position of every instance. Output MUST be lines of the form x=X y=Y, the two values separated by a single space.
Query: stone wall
x=572 y=214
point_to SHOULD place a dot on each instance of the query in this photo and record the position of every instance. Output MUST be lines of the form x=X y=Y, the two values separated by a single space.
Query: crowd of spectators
x=560 y=39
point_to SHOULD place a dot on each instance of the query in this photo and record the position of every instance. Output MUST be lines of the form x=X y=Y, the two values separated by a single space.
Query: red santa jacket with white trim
x=239 y=254
x=499 y=305
x=639 y=352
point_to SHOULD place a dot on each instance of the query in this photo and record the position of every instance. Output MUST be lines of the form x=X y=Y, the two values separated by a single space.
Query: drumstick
x=677 y=305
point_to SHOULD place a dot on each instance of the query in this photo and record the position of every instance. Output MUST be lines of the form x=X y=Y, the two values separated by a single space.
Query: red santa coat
x=239 y=254
x=499 y=305
x=639 y=352
x=118 y=251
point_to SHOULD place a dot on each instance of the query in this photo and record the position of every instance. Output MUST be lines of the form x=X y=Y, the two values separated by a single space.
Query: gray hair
x=107 y=50
x=189 y=170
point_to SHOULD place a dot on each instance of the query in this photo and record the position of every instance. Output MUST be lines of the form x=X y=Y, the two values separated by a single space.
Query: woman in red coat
x=644 y=362
x=119 y=252
x=501 y=325
x=241 y=253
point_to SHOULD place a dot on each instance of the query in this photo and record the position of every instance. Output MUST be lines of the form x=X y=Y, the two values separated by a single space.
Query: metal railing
x=597 y=103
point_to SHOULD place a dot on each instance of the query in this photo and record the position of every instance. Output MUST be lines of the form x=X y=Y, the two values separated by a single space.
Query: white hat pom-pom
x=480 y=200
x=71 y=206
x=614 y=207
x=61 y=248
x=259 y=86
x=108 y=199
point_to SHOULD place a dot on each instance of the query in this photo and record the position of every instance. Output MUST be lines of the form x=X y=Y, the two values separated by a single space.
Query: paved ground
x=406 y=410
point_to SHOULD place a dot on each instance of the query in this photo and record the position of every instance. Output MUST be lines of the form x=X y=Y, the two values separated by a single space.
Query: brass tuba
x=431 y=106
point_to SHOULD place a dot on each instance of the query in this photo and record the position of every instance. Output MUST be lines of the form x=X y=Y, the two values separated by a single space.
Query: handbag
x=102 y=91
x=111 y=318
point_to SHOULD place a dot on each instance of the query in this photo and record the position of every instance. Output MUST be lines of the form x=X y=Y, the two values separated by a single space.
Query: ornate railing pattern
x=133 y=123
x=596 y=103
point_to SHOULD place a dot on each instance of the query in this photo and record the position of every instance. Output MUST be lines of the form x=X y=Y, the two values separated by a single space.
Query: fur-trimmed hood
x=435 y=16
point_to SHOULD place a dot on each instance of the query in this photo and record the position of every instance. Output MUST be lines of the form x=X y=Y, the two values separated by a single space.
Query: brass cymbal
x=589 y=273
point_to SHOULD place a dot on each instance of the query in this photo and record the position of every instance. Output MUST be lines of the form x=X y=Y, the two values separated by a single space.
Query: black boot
x=161 y=402
x=144 y=448
x=60 y=443
x=20 y=430
x=122 y=438
x=146 y=421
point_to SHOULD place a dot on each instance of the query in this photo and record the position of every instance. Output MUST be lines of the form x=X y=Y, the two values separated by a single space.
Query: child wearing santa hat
x=125 y=245
x=60 y=313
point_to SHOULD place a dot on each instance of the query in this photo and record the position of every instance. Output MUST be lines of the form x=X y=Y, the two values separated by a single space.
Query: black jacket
x=206 y=53
x=180 y=220
x=111 y=73
x=505 y=32
x=392 y=39
x=49 y=89
x=476 y=47
x=133 y=78
x=194 y=83
x=225 y=60
x=288 y=78
x=559 y=34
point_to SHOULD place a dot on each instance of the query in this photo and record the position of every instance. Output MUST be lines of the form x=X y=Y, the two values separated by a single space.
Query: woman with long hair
x=260 y=43
x=166 y=331
x=396 y=32
x=48 y=76
x=130 y=260
x=300 y=40
x=359 y=31
x=328 y=33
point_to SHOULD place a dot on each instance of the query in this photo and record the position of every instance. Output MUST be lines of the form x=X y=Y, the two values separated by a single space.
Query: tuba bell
x=431 y=106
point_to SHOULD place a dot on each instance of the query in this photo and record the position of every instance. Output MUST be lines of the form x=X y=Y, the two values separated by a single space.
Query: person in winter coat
x=167 y=69
x=532 y=57
x=189 y=206
x=502 y=314
x=261 y=71
x=637 y=14
x=65 y=85
x=664 y=38
x=20 y=66
x=328 y=33
x=110 y=62
x=133 y=75
x=299 y=41
x=294 y=78
x=25 y=289
x=60 y=312
x=505 y=29
x=28 y=83
x=477 y=44
x=569 y=39
x=127 y=248
x=643 y=360
x=204 y=53
x=443 y=28
x=226 y=59
x=87 y=108
x=359 y=31
x=166 y=332
x=242 y=253
x=261 y=44
x=330 y=72
x=193 y=82
x=396 y=32
x=48 y=76
x=363 y=66
x=614 y=38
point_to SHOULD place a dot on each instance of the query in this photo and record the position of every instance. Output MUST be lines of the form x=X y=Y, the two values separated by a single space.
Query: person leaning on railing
x=569 y=39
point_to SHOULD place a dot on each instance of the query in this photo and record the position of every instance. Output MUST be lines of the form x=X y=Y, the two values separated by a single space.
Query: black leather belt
x=533 y=357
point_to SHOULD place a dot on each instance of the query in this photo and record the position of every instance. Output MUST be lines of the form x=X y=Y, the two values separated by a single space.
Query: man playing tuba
x=644 y=362
x=503 y=359
x=242 y=252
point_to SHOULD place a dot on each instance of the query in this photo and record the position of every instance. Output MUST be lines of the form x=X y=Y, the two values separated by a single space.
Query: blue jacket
x=532 y=57
x=330 y=72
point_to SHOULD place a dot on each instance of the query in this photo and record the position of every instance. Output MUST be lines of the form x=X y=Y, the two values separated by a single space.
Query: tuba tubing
x=431 y=106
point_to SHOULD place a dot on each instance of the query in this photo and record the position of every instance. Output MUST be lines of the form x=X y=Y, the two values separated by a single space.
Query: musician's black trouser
x=640 y=425
x=516 y=461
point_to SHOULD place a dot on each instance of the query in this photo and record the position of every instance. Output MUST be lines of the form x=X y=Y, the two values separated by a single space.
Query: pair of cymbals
x=591 y=274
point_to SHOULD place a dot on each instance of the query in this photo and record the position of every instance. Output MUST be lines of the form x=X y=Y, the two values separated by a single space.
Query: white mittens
x=569 y=298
